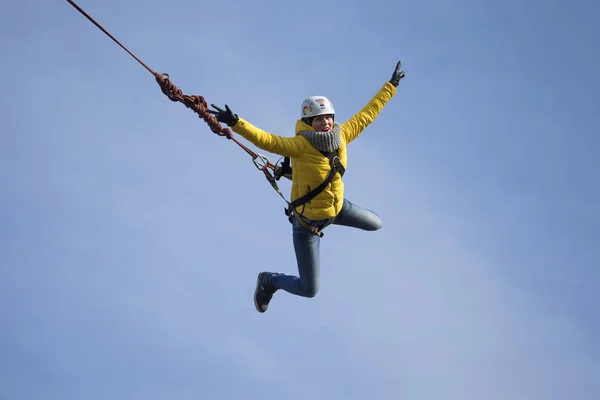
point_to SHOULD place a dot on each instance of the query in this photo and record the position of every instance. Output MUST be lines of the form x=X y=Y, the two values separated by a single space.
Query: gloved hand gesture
x=397 y=75
x=225 y=116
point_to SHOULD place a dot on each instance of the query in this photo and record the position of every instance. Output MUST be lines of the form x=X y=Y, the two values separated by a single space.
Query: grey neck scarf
x=324 y=141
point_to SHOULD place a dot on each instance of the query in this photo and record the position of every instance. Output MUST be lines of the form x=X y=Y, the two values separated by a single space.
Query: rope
x=196 y=103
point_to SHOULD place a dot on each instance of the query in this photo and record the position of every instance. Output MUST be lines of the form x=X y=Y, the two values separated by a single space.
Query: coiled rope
x=196 y=103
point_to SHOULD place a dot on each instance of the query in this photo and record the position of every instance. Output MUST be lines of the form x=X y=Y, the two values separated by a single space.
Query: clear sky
x=131 y=235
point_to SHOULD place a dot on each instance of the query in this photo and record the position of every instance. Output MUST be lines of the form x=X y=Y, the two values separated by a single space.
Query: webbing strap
x=273 y=182
x=336 y=166
x=285 y=170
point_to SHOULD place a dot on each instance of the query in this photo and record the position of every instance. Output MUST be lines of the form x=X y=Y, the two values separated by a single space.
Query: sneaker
x=264 y=291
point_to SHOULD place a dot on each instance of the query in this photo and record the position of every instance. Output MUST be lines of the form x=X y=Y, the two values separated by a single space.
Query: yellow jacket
x=309 y=166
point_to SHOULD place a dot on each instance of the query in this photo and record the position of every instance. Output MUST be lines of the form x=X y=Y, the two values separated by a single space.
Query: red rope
x=196 y=103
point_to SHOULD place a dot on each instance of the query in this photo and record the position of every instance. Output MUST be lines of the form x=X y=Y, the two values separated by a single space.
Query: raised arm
x=355 y=125
x=285 y=146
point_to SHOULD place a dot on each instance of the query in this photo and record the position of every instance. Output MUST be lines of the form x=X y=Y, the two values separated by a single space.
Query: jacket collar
x=302 y=126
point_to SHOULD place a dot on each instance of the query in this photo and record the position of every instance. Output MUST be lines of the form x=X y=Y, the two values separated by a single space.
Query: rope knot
x=196 y=103
x=168 y=88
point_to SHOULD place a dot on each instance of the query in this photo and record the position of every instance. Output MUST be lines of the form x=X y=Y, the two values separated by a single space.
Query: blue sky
x=131 y=236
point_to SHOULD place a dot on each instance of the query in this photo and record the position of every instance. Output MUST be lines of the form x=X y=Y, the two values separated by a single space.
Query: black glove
x=397 y=75
x=225 y=116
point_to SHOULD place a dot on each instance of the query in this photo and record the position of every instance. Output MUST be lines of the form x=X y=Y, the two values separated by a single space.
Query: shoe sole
x=256 y=292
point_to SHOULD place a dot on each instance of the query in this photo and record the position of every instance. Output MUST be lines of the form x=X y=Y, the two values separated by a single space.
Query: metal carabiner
x=264 y=161
x=336 y=162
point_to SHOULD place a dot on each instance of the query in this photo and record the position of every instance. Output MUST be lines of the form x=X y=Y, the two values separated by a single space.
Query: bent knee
x=310 y=291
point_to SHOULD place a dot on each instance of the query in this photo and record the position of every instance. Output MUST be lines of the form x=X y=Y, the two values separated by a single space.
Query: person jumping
x=319 y=158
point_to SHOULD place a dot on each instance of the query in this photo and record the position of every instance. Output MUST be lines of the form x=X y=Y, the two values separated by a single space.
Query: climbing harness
x=290 y=211
x=199 y=105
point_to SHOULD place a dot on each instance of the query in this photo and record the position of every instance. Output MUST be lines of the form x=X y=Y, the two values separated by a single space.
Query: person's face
x=323 y=123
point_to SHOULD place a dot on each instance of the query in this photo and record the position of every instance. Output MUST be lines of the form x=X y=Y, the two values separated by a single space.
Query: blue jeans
x=306 y=246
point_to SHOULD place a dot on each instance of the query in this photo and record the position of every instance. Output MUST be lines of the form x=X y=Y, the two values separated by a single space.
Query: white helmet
x=316 y=105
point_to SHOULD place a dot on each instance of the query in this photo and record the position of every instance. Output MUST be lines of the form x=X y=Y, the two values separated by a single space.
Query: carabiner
x=264 y=161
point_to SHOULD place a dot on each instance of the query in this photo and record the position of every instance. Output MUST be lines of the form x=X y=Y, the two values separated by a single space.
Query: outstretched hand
x=397 y=75
x=225 y=116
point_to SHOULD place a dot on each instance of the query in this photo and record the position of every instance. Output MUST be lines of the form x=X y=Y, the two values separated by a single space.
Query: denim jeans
x=306 y=246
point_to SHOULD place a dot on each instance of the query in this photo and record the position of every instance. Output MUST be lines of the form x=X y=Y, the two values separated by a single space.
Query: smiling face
x=322 y=123
x=318 y=112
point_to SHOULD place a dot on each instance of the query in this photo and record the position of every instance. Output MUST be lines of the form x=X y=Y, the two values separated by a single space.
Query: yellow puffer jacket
x=309 y=167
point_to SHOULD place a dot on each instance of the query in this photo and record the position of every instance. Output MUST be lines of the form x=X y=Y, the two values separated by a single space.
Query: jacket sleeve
x=284 y=146
x=355 y=125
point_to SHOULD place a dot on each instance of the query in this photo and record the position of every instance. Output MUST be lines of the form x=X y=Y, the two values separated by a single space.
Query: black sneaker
x=264 y=291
